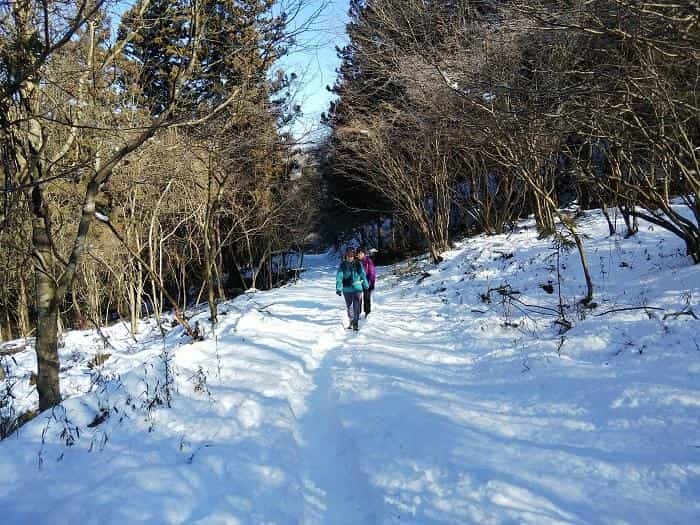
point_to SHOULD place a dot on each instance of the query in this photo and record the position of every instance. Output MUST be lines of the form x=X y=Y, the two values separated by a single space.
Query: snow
x=444 y=408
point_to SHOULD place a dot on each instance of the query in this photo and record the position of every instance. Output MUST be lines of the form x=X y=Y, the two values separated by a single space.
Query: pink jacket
x=371 y=273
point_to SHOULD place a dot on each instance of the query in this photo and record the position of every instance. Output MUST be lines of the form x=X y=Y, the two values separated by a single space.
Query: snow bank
x=464 y=398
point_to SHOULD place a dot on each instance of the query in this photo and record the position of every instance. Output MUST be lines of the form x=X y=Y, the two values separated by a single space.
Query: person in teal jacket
x=351 y=281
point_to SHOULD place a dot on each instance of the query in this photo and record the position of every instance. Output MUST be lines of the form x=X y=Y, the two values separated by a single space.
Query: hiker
x=370 y=272
x=351 y=281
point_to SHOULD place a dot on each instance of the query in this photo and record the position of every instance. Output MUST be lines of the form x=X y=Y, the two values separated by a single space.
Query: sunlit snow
x=444 y=408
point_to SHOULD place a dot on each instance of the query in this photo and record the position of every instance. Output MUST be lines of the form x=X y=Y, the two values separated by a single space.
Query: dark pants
x=367 y=301
x=353 y=302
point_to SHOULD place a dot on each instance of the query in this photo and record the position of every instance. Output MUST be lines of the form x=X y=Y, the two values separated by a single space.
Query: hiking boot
x=355 y=326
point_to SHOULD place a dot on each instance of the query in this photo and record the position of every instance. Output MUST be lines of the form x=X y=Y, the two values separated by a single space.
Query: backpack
x=349 y=272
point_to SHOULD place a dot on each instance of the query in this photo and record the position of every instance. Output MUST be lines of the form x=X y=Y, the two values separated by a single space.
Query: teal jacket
x=351 y=277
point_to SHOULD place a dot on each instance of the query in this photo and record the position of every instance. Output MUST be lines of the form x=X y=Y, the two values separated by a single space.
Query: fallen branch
x=423 y=276
x=628 y=308
x=12 y=350
x=674 y=315
x=261 y=308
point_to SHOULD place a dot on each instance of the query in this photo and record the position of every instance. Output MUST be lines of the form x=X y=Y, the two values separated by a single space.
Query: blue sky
x=321 y=26
x=314 y=60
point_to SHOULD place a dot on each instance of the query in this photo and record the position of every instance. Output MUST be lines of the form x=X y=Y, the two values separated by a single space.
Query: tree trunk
x=606 y=214
x=133 y=320
x=183 y=284
x=256 y=272
x=209 y=278
x=6 y=326
x=544 y=218
x=135 y=297
x=692 y=244
x=209 y=246
x=631 y=220
x=23 y=309
x=584 y=262
x=433 y=244
x=218 y=265
x=78 y=312
x=48 y=365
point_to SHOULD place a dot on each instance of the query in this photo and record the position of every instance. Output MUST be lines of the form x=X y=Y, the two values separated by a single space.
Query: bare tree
x=66 y=125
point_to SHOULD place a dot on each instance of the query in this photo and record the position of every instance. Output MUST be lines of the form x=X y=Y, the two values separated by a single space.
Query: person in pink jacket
x=371 y=274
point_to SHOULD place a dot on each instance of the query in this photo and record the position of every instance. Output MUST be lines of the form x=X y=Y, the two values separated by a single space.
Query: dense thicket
x=469 y=114
x=142 y=164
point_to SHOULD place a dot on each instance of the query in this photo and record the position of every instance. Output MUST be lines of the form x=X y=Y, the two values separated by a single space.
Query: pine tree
x=158 y=46
x=235 y=42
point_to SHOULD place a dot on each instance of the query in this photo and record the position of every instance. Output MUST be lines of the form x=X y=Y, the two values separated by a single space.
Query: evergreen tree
x=159 y=37
x=235 y=43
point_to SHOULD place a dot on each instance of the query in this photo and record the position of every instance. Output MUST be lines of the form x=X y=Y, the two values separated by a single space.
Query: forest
x=466 y=293
x=146 y=165
x=143 y=163
x=463 y=116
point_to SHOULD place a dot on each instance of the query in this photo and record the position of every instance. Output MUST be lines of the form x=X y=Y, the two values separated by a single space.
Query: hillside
x=468 y=396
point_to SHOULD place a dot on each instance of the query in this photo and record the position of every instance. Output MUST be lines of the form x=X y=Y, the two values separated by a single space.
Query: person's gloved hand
x=371 y=287
x=338 y=292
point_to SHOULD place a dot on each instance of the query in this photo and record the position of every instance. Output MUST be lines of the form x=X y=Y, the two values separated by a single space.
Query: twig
x=627 y=309
x=546 y=308
x=260 y=309
x=564 y=323
x=12 y=350
x=525 y=367
x=689 y=312
x=562 y=340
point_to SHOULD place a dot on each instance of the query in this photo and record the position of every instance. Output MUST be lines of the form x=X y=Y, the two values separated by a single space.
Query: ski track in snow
x=443 y=409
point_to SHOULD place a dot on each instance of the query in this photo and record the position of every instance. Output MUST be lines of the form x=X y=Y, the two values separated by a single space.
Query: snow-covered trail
x=338 y=422
x=432 y=415
x=443 y=409
x=335 y=490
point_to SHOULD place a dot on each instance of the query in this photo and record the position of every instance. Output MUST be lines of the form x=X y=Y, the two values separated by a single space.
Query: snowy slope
x=452 y=404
